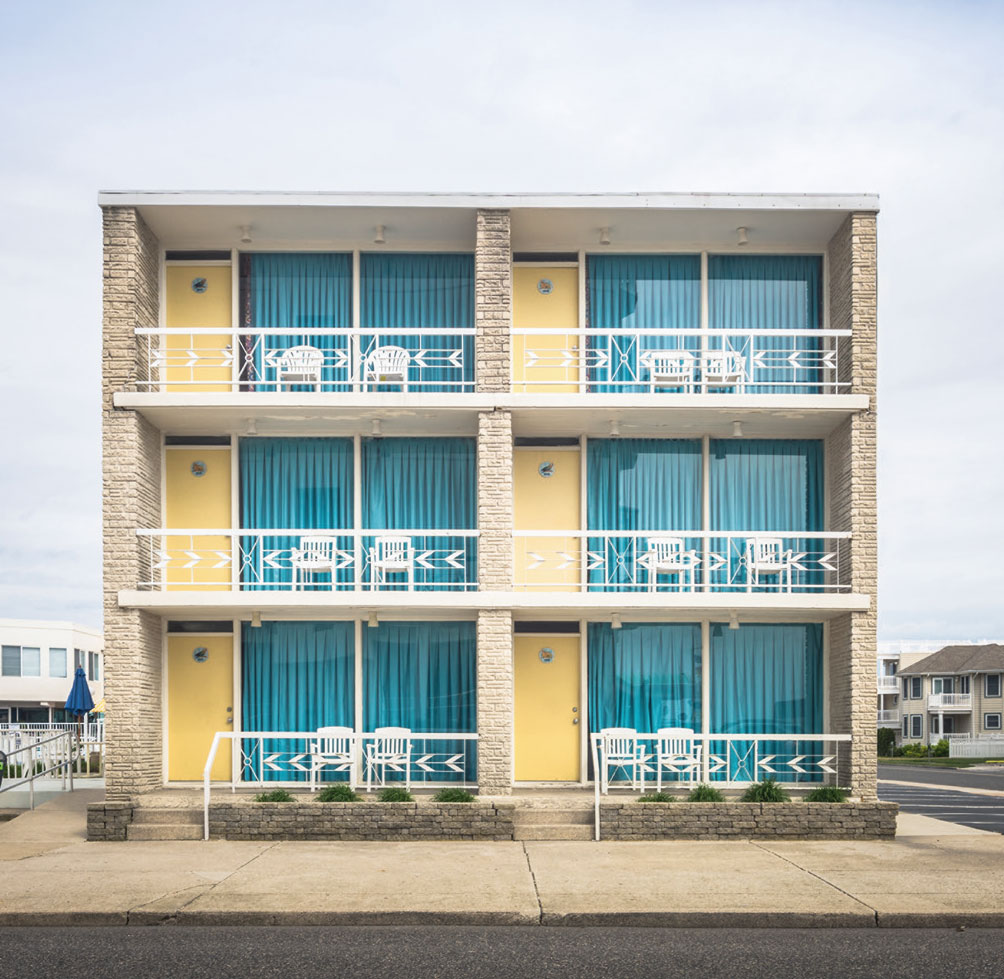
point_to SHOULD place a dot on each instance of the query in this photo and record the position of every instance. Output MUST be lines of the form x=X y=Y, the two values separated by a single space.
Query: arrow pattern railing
x=266 y=560
x=345 y=360
x=760 y=361
x=711 y=561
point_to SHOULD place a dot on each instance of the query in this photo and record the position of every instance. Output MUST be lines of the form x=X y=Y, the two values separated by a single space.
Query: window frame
x=4 y=651
x=916 y=684
x=993 y=713
x=58 y=649
x=986 y=685
x=919 y=725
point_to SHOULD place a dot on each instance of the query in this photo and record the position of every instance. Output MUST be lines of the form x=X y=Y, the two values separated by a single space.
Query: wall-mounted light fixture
x=246 y=238
x=737 y=429
x=742 y=238
x=375 y=427
x=615 y=428
x=733 y=621
x=604 y=236
x=373 y=621
x=378 y=238
x=256 y=620
x=615 y=621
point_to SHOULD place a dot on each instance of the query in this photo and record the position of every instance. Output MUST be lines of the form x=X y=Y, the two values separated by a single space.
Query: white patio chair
x=621 y=751
x=392 y=555
x=723 y=368
x=387 y=365
x=670 y=556
x=299 y=365
x=669 y=369
x=765 y=557
x=390 y=750
x=315 y=555
x=334 y=748
x=677 y=752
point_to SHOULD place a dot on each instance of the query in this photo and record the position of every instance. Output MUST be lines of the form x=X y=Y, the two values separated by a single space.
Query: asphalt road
x=491 y=953
x=963 y=777
x=967 y=808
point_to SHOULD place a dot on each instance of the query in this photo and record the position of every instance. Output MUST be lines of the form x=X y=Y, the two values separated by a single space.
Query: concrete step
x=568 y=832
x=528 y=816
x=151 y=817
x=163 y=831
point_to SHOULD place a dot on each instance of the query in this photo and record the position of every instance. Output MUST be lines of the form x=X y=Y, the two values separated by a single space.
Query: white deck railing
x=959 y=701
x=759 y=361
x=265 y=560
x=34 y=758
x=888 y=684
x=343 y=360
x=888 y=717
x=712 y=561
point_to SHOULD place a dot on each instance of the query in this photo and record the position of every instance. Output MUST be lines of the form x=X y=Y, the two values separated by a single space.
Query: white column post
x=705 y=697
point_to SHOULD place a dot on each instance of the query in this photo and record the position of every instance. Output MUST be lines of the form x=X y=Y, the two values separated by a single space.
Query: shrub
x=940 y=750
x=766 y=791
x=395 y=794
x=278 y=795
x=826 y=793
x=886 y=742
x=340 y=792
x=915 y=751
x=453 y=795
x=657 y=797
x=705 y=793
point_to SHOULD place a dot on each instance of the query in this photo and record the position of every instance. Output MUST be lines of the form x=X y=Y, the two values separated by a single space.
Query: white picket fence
x=991 y=746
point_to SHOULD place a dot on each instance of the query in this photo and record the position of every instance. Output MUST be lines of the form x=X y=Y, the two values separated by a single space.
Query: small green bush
x=394 y=794
x=453 y=795
x=657 y=797
x=766 y=791
x=278 y=795
x=826 y=793
x=705 y=793
x=940 y=750
x=915 y=751
x=886 y=742
x=340 y=792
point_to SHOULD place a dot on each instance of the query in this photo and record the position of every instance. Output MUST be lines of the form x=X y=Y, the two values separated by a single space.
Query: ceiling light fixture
x=615 y=621
x=256 y=620
x=373 y=621
x=733 y=621
x=604 y=236
x=246 y=238
x=737 y=429
x=615 y=428
x=378 y=238
x=743 y=237
x=252 y=427
x=376 y=427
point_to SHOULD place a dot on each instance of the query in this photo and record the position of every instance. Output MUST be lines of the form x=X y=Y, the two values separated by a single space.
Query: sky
x=905 y=100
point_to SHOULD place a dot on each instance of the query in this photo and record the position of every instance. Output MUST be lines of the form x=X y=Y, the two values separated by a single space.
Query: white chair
x=387 y=365
x=390 y=750
x=620 y=751
x=299 y=365
x=315 y=555
x=335 y=748
x=669 y=369
x=391 y=555
x=723 y=368
x=670 y=556
x=767 y=556
x=677 y=752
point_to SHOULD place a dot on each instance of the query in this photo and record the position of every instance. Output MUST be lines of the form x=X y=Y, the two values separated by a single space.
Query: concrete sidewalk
x=939 y=875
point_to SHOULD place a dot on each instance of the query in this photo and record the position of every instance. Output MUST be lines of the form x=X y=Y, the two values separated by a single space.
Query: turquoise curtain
x=639 y=484
x=424 y=484
x=423 y=676
x=295 y=676
x=292 y=291
x=415 y=291
x=769 y=485
x=295 y=483
x=639 y=292
x=769 y=292
x=766 y=679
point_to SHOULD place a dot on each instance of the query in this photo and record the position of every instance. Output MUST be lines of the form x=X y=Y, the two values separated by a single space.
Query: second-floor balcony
x=888 y=717
x=950 y=701
x=888 y=684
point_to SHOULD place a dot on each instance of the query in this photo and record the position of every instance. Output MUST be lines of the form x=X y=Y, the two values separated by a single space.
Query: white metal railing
x=341 y=360
x=942 y=700
x=92 y=730
x=888 y=684
x=37 y=758
x=694 y=361
x=708 y=561
x=274 y=560
x=980 y=746
x=737 y=760
x=888 y=717
x=280 y=758
x=88 y=738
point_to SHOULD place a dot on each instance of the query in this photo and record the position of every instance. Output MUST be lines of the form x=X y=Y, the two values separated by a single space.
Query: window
x=933 y=727
x=916 y=725
x=906 y=687
x=57 y=662
x=78 y=658
x=962 y=684
x=31 y=661
x=11 y=661
x=992 y=722
x=906 y=725
x=93 y=666
x=916 y=691
x=992 y=685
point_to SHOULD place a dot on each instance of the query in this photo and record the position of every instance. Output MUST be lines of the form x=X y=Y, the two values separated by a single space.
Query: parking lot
x=966 y=808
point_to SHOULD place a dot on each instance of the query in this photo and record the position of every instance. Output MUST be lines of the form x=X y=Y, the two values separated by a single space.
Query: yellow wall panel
x=184 y=307
x=534 y=309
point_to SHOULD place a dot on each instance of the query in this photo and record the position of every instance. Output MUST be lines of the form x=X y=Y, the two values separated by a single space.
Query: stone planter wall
x=108 y=820
x=747 y=820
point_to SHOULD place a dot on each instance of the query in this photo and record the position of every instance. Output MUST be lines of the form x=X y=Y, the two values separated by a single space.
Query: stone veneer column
x=850 y=473
x=131 y=494
x=492 y=301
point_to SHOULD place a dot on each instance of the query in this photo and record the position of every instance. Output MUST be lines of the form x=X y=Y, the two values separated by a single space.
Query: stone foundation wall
x=747 y=820
x=107 y=821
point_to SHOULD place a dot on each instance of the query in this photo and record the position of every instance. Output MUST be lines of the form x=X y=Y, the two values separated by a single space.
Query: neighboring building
x=505 y=468
x=39 y=659
x=955 y=691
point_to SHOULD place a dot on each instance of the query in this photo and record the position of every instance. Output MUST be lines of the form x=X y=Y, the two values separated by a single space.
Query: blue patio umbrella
x=80 y=700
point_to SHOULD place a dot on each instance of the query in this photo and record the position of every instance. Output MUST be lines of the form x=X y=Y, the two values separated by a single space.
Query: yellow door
x=198 y=296
x=546 y=485
x=546 y=681
x=545 y=298
x=200 y=691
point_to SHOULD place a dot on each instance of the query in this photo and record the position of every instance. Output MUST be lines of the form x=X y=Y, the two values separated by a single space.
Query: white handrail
x=62 y=763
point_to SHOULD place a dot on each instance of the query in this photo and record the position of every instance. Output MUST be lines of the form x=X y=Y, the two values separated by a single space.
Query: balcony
x=888 y=684
x=950 y=701
x=887 y=717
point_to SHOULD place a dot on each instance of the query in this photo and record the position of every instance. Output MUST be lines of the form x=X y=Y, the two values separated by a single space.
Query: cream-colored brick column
x=131 y=485
x=495 y=702
x=495 y=500
x=493 y=300
x=850 y=467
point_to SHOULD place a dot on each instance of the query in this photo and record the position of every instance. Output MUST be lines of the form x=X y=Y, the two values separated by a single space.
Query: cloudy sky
x=900 y=99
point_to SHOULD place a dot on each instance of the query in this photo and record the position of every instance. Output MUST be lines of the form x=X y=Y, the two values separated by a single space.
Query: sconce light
x=733 y=621
x=252 y=427
x=615 y=428
x=373 y=621
x=742 y=238
x=246 y=234
x=378 y=238
x=604 y=236
x=737 y=429
x=375 y=427
x=615 y=621
x=256 y=620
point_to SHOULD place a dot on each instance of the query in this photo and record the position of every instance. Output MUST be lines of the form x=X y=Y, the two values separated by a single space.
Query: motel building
x=504 y=471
